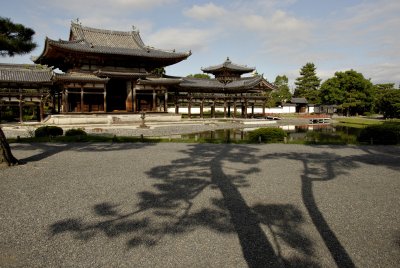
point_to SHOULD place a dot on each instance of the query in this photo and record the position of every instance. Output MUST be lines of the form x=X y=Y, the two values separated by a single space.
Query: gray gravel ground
x=200 y=205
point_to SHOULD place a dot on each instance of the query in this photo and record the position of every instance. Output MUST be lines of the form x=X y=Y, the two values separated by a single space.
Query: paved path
x=200 y=205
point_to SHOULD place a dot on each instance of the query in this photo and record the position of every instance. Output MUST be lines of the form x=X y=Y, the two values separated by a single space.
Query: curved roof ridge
x=227 y=64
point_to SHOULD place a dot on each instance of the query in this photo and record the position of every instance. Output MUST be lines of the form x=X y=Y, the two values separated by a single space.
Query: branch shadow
x=49 y=149
x=327 y=166
x=176 y=206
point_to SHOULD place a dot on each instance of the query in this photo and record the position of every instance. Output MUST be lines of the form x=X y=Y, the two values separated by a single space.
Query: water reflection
x=316 y=133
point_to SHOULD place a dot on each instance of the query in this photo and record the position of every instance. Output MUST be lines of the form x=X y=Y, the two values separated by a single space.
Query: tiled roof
x=25 y=73
x=98 y=41
x=299 y=100
x=199 y=83
x=228 y=65
x=79 y=77
x=106 y=38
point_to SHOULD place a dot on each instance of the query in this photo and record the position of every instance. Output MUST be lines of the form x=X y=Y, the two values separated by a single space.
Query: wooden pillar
x=213 y=109
x=224 y=108
x=65 y=101
x=82 y=106
x=190 y=107
x=20 y=108
x=105 y=98
x=154 y=108
x=201 y=108
x=176 y=103
x=234 y=108
x=134 y=100
x=229 y=109
x=166 y=101
x=245 y=107
x=41 y=110
x=263 y=108
x=252 y=110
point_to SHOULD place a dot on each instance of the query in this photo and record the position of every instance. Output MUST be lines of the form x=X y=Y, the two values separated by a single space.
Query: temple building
x=101 y=69
x=228 y=90
x=24 y=86
x=104 y=71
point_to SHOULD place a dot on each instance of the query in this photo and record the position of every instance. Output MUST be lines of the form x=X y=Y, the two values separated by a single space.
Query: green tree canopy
x=204 y=76
x=282 y=93
x=387 y=100
x=15 y=38
x=307 y=84
x=350 y=91
x=159 y=72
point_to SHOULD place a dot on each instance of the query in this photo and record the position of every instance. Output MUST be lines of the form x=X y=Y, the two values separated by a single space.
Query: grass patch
x=357 y=122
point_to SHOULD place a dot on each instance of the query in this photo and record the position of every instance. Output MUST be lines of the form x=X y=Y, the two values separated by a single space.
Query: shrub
x=267 y=135
x=387 y=133
x=48 y=131
x=75 y=132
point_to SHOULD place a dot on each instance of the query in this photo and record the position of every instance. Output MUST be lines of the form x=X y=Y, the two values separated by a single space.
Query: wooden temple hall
x=105 y=71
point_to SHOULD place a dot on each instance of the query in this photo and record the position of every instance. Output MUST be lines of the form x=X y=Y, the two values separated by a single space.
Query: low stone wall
x=72 y=119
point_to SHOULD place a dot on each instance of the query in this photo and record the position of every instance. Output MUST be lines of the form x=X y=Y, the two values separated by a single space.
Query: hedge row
x=53 y=131
x=387 y=134
x=267 y=135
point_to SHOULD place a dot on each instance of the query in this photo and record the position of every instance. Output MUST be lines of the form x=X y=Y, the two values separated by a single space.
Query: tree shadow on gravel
x=327 y=166
x=46 y=150
x=180 y=203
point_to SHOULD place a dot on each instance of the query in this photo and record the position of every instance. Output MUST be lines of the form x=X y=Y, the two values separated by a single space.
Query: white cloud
x=104 y=7
x=207 y=11
x=181 y=39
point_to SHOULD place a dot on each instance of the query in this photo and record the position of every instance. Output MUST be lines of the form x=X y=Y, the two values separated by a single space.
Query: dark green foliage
x=267 y=135
x=48 y=131
x=75 y=132
x=307 y=84
x=350 y=91
x=387 y=133
x=159 y=72
x=282 y=93
x=388 y=103
x=203 y=76
x=15 y=38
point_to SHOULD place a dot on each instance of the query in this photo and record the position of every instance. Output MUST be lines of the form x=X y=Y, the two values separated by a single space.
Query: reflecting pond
x=313 y=134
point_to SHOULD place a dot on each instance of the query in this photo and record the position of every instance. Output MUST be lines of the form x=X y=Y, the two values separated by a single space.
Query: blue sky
x=275 y=36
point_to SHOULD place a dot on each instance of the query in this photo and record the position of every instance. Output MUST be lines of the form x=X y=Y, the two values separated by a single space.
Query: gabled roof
x=299 y=100
x=105 y=42
x=213 y=85
x=25 y=73
x=228 y=66
x=80 y=77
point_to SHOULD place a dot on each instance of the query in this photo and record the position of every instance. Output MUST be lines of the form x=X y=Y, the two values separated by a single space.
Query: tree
x=282 y=93
x=14 y=39
x=388 y=102
x=159 y=72
x=350 y=91
x=203 y=76
x=307 y=84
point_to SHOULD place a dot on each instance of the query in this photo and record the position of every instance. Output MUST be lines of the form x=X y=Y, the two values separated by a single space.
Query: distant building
x=107 y=71
x=25 y=85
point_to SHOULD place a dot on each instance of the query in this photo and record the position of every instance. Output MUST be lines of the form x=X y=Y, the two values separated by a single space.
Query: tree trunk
x=5 y=151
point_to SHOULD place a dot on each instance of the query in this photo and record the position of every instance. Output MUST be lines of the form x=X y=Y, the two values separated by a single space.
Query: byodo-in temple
x=106 y=71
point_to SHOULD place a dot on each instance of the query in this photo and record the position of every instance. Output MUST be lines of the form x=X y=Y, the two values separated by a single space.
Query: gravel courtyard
x=200 y=205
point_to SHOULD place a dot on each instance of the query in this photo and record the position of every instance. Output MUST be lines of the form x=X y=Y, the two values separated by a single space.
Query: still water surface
x=307 y=133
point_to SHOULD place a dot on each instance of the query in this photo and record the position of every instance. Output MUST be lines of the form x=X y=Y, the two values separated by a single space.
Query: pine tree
x=307 y=84
x=14 y=39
